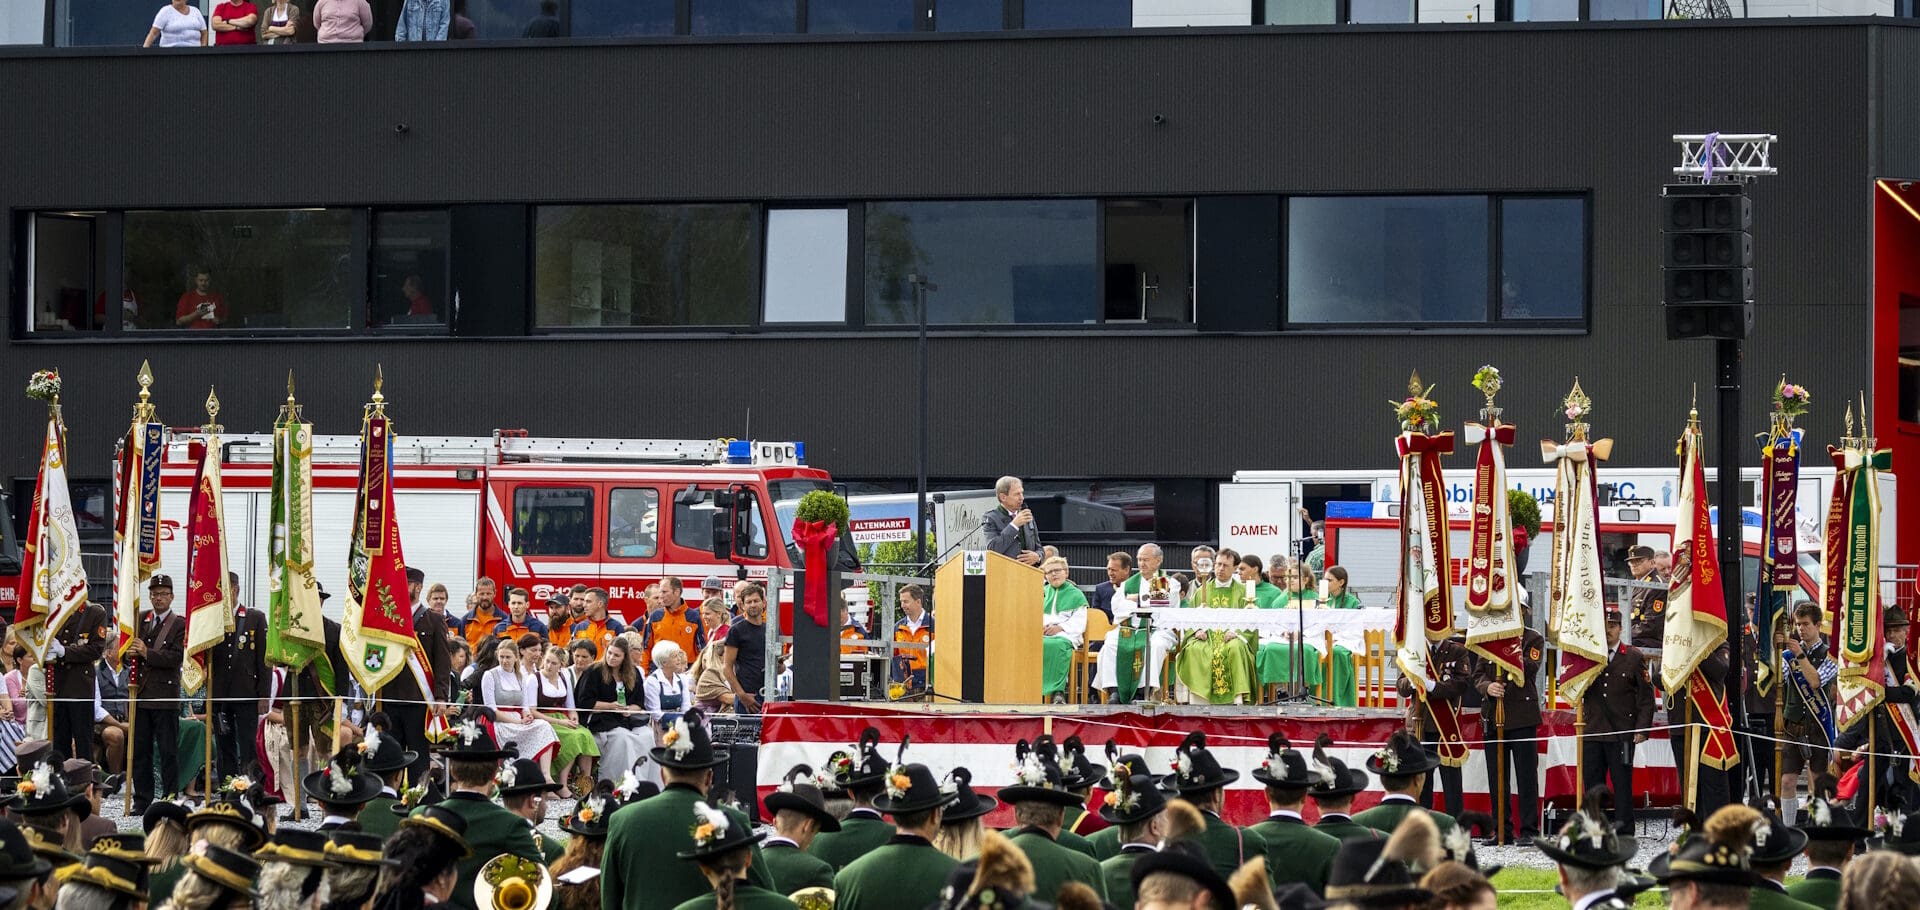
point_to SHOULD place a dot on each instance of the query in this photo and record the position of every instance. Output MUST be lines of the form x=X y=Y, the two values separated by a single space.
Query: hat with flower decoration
x=967 y=803
x=523 y=775
x=687 y=746
x=424 y=794
x=1897 y=832
x=862 y=766
x=1587 y=841
x=912 y=788
x=1721 y=853
x=1824 y=817
x=715 y=831
x=1283 y=766
x=800 y=791
x=344 y=781
x=1779 y=842
x=1132 y=797
x=1081 y=773
x=1404 y=755
x=472 y=740
x=1332 y=779
x=1036 y=767
x=1195 y=770
x=43 y=790
x=592 y=812
x=382 y=752
x=1137 y=768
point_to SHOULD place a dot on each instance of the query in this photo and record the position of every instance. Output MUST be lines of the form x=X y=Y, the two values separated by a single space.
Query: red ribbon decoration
x=815 y=539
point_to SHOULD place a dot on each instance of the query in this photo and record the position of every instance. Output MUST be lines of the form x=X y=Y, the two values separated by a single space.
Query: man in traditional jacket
x=1334 y=794
x=907 y=870
x=1831 y=836
x=1770 y=858
x=862 y=773
x=473 y=761
x=70 y=668
x=1517 y=703
x=1134 y=810
x=1592 y=857
x=1199 y=779
x=799 y=812
x=387 y=758
x=1448 y=661
x=1401 y=765
x=1039 y=800
x=1295 y=852
x=524 y=790
x=1618 y=710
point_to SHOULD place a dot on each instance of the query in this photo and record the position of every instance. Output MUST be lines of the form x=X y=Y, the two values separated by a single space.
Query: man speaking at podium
x=1009 y=529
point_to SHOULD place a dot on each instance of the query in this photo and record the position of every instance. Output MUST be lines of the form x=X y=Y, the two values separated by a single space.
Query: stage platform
x=981 y=737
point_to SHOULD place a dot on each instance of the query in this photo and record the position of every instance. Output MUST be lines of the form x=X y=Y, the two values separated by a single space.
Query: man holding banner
x=1694 y=656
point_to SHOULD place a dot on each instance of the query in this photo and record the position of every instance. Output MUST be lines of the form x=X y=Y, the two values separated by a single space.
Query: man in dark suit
x=1619 y=701
x=1009 y=529
x=239 y=686
x=1520 y=699
x=156 y=656
x=402 y=698
x=1119 y=569
x=1448 y=660
x=78 y=647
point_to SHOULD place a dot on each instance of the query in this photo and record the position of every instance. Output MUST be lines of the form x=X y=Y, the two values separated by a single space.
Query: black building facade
x=1159 y=257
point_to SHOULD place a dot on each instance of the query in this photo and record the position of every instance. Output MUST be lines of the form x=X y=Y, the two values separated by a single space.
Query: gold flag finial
x=289 y=386
x=1866 y=431
x=143 y=409
x=1487 y=380
x=1849 y=434
x=213 y=413
x=290 y=411
x=378 y=405
x=1578 y=407
x=1414 y=389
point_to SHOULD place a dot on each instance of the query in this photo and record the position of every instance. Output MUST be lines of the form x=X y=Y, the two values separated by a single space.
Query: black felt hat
x=1403 y=756
x=301 y=848
x=1195 y=770
x=1297 y=896
x=592 y=813
x=357 y=848
x=126 y=845
x=1587 y=840
x=1129 y=800
x=687 y=746
x=1332 y=778
x=473 y=740
x=344 y=781
x=443 y=821
x=1824 y=818
x=800 y=792
x=1041 y=780
x=1779 y=842
x=232 y=871
x=1186 y=859
x=43 y=790
x=382 y=752
x=1284 y=767
x=162 y=810
x=863 y=765
x=229 y=805
x=412 y=798
x=967 y=803
x=1137 y=768
x=48 y=846
x=716 y=832
x=523 y=775
x=17 y=859
x=1081 y=773
x=1721 y=853
x=912 y=788
x=1900 y=834
x=1364 y=875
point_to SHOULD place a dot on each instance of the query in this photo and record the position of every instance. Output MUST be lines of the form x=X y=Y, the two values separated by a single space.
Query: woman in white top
x=509 y=692
x=667 y=687
x=178 y=24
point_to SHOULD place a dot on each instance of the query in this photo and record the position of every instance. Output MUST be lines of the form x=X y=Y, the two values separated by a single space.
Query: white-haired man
x=1148 y=589
x=1008 y=528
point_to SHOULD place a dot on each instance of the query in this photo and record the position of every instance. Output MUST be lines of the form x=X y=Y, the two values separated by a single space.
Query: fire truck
x=536 y=513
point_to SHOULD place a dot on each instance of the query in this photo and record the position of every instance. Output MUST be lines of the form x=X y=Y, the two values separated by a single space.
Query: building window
x=623 y=17
x=859 y=16
x=409 y=277
x=745 y=17
x=1625 y=9
x=66 y=290
x=969 y=15
x=1033 y=261
x=1419 y=260
x=1300 y=12
x=1374 y=11
x=806 y=274
x=693 y=525
x=1543 y=258
x=491 y=18
x=645 y=265
x=1079 y=14
x=1546 y=10
x=256 y=269
x=553 y=521
x=1149 y=260
x=633 y=523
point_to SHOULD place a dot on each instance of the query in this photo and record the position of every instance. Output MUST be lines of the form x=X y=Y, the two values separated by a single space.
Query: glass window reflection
x=859 y=17
x=1020 y=261
x=1079 y=13
x=645 y=265
x=260 y=269
x=596 y=18
x=1387 y=259
x=745 y=17
x=409 y=267
x=1543 y=258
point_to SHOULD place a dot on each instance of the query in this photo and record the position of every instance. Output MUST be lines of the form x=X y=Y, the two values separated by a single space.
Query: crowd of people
x=248 y=22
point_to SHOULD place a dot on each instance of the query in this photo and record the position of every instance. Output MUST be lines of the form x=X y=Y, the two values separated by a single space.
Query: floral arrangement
x=41 y=779
x=629 y=785
x=1419 y=409
x=237 y=784
x=1790 y=400
x=339 y=780
x=709 y=825
x=44 y=386
x=1487 y=380
x=1182 y=765
x=678 y=740
x=468 y=731
x=591 y=808
x=1123 y=797
x=412 y=796
x=1892 y=822
x=371 y=744
x=506 y=776
x=823 y=779
x=840 y=765
x=1388 y=759
x=898 y=783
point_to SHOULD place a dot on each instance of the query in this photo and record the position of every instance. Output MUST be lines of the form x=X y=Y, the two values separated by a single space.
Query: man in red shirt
x=233 y=22
x=203 y=307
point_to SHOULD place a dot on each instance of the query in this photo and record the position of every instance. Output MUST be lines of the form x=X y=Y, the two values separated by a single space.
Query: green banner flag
x=295 y=633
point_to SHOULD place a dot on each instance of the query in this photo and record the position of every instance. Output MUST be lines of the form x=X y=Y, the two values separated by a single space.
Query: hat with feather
x=1587 y=840
x=1331 y=776
x=1195 y=770
x=1386 y=873
x=1721 y=852
x=1283 y=767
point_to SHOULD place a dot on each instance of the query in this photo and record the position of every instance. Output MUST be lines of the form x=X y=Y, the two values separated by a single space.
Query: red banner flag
x=53 y=584
x=1697 y=608
x=209 y=604
x=377 y=634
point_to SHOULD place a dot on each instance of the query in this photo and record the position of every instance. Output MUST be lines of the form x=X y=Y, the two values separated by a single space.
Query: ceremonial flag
x=1494 y=627
x=1850 y=582
x=1697 y=608
x=1576 y=599
x=1425 y=611
x=53 y=584
x=295 y=634
x=1779 y=551
x=210 y=598
x=136 y=532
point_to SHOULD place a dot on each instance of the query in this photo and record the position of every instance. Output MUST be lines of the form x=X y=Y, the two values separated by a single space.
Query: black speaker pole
x=1727 y=383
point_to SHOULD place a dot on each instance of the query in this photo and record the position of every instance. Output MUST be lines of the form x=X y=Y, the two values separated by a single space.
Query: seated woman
x=1216 y=665
x=555 y=697
x=1296 y=589
x=1337 y=596
x=667 y=688
x=511 y=694
x=1063 y=622
x=611 y=690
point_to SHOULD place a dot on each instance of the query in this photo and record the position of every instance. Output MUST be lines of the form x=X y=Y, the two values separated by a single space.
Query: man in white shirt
x=1138 y=594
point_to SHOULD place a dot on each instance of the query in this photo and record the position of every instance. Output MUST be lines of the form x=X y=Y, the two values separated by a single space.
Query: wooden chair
x=1326 y=668
x=1373 y=669
x=1080 y=676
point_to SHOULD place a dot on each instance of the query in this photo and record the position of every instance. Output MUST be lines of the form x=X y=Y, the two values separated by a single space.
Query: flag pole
x=211 y=430
x=293 y=738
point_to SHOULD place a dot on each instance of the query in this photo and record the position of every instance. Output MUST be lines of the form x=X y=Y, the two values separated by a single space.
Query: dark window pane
x=969 y=15
x=409 y=269
x=92 y=23
x=645 y=265
x=1079 y=14
x=553 y=521
x=1386 y=259
x=1543 y=258
x=1149 y=260
x=859 y=16
x=494 y=18
x=1030 y=261
x=633 y=523
x=744 y=17
x=1382 y=11
x=68 y=292
x=622 y=17
x=693 y=525
x=266 y=269
x=1300 y=12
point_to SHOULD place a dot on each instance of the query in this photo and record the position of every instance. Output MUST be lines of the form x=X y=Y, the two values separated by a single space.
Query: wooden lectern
x=987 y=632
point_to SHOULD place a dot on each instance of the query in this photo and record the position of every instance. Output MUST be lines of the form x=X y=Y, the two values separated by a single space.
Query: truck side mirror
x=723 y=509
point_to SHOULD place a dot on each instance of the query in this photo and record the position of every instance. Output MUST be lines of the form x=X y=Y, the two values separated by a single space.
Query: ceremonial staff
x=136 y=539
x=1576 y=618
x=210 y=467
x=1495 y=630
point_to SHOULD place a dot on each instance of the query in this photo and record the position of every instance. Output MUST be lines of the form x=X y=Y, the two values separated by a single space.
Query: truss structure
x=1724 y=157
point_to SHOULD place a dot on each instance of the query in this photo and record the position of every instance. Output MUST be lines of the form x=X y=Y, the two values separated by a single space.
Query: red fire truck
x=536 y=513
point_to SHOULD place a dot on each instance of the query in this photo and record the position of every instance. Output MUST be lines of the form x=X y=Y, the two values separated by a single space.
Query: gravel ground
x=1653 y=837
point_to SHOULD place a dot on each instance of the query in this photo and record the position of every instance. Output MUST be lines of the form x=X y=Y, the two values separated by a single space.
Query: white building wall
x=1183 y=13
x=23 y=21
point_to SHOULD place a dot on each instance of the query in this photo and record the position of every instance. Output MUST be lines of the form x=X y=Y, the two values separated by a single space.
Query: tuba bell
x=814 y=898
x=507 y=882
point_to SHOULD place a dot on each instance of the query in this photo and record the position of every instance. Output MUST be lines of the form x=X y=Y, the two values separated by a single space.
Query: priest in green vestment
x=1063 y=622
x=1134 y=652
x=1216 y=664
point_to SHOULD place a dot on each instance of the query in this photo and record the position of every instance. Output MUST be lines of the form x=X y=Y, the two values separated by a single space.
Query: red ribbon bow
x=815 y=539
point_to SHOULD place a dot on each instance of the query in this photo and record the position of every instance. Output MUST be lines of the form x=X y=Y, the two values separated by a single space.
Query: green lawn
x=1544 y=880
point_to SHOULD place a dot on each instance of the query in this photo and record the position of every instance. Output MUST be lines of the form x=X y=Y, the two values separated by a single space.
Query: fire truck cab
x=542 y=514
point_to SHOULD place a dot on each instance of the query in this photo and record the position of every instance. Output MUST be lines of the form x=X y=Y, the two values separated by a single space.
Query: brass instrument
x=508 y=882
x=814 y=898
